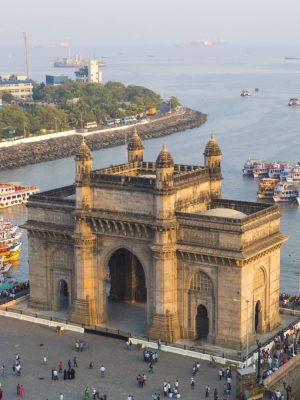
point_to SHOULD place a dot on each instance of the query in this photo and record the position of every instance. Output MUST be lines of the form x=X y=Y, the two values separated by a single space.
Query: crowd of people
x=289 y=301
x=10 y=294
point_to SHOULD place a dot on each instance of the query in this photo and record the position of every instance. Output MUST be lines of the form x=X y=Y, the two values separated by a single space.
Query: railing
x=123 y=179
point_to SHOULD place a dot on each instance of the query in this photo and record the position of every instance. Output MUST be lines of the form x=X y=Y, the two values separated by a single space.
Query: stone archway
x=202 y=322
x=259 y=291
x=63 y=295
x=201 y=307
x=126 y=292
x=127 y=278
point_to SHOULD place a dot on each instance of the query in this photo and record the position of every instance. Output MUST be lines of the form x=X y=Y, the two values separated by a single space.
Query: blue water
x=209 y=80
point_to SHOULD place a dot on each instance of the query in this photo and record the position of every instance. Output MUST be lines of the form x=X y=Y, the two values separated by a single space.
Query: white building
x=18 y=85
x=89 y=73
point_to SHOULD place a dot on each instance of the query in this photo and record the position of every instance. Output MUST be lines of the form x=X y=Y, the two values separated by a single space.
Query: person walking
x=220 y=374
x=3 y=369
x=216 y=394
x=1 y=394
x=60 y=367
x=207 y=391
x=75 y=362
x=69 y=364
x=18 y=389
x=159 y=344
x=61 y=396
x=45 y=360
x=151 y=368
x=65 y=374
x=192 y=383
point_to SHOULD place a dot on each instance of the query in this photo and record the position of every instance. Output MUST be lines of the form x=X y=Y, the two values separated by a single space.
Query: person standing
x=102 y=370
x=18 y=389
x=75 y=362
x=22 y=391
x=61 y=396
x=3 y=369
x=45 y=360
x=220 y=374
x=1 y=394
x=65 y=374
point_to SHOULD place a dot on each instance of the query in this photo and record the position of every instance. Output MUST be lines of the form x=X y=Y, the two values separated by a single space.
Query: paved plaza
x=33 y=341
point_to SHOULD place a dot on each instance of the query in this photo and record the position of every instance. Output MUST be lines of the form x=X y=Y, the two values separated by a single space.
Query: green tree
x=14 y=117
x=174 y=102
x=7 y=97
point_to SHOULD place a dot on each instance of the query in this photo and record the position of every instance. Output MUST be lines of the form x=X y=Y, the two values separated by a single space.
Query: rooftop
x=224 y=213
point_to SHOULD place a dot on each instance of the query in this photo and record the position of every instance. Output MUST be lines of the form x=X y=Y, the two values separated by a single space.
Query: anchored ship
x=12 y=194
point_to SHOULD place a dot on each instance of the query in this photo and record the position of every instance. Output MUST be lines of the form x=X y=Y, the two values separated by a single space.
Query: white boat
x=294 y=102
x=294 y=175
x=261 y=170
x=245 y=93
x=276 y=169
x=285 y=192
x=12 y=194
x=248 y=167
x=266 y=188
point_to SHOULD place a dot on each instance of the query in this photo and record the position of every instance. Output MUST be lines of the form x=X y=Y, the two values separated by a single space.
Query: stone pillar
x=84 y=308
x=164 y=319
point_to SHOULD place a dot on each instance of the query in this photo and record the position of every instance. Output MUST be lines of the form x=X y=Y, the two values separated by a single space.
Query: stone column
x=84 y=308
x=164 y=319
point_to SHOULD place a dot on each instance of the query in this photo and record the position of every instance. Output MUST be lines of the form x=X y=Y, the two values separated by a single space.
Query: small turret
x=83 y=162
x=164 y=169
x=212 y=161
x=135 y=148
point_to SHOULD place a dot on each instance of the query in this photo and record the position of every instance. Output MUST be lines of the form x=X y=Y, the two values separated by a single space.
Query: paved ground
x=33 y=341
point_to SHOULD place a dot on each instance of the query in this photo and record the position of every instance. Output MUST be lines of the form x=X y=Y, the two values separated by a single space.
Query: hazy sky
x=138 y=22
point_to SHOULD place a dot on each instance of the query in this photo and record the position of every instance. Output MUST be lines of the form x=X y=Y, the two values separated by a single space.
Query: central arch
x=126 y=292
x=127 y=278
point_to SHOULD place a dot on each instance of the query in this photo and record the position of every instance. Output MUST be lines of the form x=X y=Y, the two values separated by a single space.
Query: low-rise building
x=55 y=79
x=18 y=85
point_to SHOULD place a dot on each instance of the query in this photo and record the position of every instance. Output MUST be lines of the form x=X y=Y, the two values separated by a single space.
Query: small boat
x=248 y=167
x=245 y=93
x=276 y=169
x=12 y=194
x=294 y=175
x=256 y=89
x=15 y=247
x=266 y=188
x=13 y=255
x=261 y=170
x=285 y=192
x=294 y=102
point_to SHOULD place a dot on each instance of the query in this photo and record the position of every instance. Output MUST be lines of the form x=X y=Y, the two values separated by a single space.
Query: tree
x=7 y=97
x=174 y=102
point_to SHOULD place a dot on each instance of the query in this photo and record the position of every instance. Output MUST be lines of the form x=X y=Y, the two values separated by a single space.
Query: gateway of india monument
x=159 y=233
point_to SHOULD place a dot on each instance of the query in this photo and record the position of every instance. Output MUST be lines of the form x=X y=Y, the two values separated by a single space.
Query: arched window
x=259 y=279
x=201 y=282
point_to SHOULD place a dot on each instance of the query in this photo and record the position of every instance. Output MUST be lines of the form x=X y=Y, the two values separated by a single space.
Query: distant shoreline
x=23 y=154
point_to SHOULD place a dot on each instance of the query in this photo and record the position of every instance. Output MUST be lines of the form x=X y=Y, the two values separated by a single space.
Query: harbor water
x=209 y=80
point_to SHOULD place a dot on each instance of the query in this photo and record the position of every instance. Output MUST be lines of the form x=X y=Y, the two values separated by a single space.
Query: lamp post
x=259 y=377
x=288 y=389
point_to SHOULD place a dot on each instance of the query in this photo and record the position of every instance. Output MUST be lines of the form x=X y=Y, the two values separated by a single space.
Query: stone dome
x=135 y=142
x=84 y=152
x=164 y=158
x=212 y=148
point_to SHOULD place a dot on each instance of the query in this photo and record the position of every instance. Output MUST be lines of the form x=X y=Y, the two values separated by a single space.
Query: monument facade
x=160 y=233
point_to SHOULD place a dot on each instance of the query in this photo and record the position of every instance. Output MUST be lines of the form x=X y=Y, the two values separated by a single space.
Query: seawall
x=21 y=154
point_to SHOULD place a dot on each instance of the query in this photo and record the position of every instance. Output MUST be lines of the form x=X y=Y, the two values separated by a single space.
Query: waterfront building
x=55 y=79
x=18 y=85
x=159 y=233
x=89 y=73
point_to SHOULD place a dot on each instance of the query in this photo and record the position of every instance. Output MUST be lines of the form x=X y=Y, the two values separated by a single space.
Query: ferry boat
x=248 y=167
x=245 y=93
x=261 y=170
x=294 y=102
x=276 y=169
x=10 y=246
x=266 y=188
x=12 y=194
x=4 y=267
x=69 y=62
x=294 y=175
x=285 y=191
